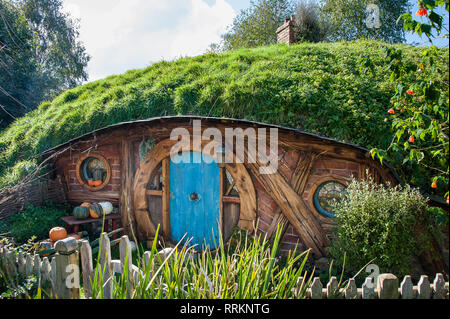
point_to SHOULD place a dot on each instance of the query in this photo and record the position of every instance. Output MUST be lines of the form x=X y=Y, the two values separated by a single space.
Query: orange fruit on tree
x=421 y=12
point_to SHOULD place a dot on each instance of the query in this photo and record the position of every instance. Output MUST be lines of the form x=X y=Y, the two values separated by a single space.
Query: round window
x=326 y=194
x=93 y=172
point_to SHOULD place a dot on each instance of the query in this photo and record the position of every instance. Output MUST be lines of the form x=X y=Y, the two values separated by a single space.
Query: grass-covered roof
x=314 y=87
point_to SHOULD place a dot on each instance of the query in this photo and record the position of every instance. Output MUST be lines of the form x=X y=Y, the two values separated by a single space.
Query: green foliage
x=16 y=63
x=439 y=216
x=34 y=222
x=18 y=173
x=257 y=25
x=374 y=221
x=40 y=55
x=435 y=21
x=18 y=286
x=247 y=269
x=309 y=24
x=347 y=19
x=420 y=108
x=315 y=87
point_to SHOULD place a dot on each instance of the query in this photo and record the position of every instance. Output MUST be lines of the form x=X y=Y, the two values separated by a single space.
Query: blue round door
x=194 y=199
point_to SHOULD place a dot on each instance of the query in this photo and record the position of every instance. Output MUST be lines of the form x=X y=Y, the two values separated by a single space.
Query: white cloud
x=126 y=34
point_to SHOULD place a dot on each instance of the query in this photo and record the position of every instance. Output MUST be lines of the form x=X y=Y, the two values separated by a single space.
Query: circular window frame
x=80 y=174
x=325 y=216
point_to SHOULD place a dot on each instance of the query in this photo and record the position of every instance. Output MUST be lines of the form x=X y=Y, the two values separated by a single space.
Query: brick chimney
x=285 y=32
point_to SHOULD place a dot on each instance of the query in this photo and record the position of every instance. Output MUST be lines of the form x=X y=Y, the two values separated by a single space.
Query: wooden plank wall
x=35 y=193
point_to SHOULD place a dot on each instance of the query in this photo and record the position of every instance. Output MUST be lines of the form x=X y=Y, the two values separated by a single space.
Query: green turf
x=315 y=87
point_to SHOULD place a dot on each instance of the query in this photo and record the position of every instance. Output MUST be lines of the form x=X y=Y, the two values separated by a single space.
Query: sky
x=121 y=35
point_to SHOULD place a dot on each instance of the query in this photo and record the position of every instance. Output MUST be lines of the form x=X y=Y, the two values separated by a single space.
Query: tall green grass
x=247 y=270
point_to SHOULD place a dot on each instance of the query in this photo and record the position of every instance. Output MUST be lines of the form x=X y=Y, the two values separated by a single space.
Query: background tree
x=40 y=55
x=309 y=23
x=257 y=25
x=348 y=19
x=16 y=63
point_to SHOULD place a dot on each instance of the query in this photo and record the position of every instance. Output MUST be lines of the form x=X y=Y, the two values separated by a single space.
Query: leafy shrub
x=439 y=215
x=375 y=221
x=17 y=286
x=34 y=221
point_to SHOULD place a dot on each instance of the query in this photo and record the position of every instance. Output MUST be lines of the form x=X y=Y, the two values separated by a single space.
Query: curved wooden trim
x=81 y=180
x=160 y=151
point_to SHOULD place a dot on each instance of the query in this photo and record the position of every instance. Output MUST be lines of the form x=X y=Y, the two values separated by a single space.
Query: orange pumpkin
x=44 y=245
x=77 y=236
x=95 y=210
x=57 y=233
x=86 y=204
x=90 y=182
x=97 y=183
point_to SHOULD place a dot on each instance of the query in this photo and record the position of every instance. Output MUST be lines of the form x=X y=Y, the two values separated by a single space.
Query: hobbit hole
x=147 y=188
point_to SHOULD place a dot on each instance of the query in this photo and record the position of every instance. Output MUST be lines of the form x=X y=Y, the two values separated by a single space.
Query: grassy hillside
x=315 y=87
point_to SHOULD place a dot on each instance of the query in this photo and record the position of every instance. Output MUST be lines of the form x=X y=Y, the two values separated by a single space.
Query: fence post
x=46 y=282
x=298 y=286
x=439 y=287
x=21 y=263
x=37 y=267
x=53 y=275
x=106 y=267
x=67 y=283
x=406 y=288
x=87 y=267
x=28 y=265
x=388 y=286
x=11 y=263
x=2 y=264
x=368 y=289
x=126 y=257
x=351 y=291
x=332 y=288
x=316 y=288
x=423 y=288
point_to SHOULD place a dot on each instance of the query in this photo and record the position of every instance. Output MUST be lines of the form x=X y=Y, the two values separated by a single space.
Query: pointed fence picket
x=60 y=275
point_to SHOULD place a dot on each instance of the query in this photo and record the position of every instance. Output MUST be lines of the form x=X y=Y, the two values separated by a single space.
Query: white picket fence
x=62 y=274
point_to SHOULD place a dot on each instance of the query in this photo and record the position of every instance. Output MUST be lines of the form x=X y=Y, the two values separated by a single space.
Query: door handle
x=194 y=197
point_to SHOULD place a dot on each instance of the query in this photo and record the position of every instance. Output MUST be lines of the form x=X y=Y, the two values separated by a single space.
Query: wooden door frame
x=160 y=153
